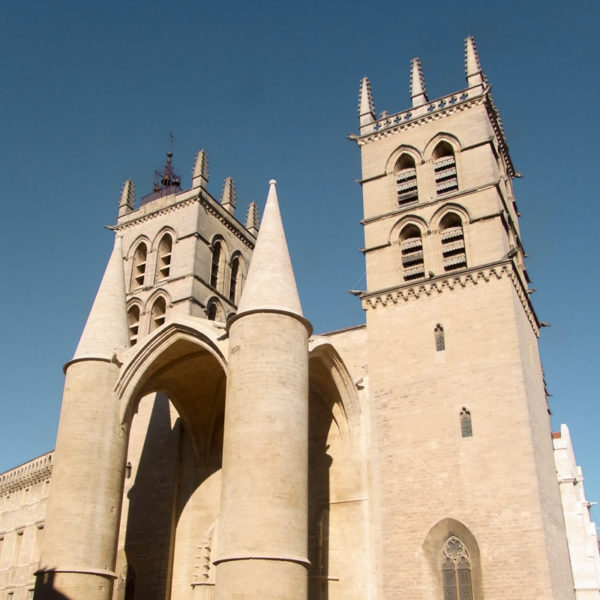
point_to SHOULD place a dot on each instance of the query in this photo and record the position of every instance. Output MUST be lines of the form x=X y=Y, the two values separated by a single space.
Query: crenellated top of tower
x=422 y=109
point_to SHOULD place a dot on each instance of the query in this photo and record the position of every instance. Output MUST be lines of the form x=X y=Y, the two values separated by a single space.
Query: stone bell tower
x=184 y=251
x=462 y=441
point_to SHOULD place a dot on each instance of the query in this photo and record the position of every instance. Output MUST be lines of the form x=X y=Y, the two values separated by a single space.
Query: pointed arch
x=164 y=249
x=139 y=262
x=219 y=258
x=146 y=362
x=456 y=570
x=451 y=562
x=236 y=278
x=134 y=314
x=214 y=310
x=411 y=248
x=452 y=240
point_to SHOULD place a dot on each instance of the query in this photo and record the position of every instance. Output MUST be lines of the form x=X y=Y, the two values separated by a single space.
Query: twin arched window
x=163 y=261
x=456 y=570
x=444 y=169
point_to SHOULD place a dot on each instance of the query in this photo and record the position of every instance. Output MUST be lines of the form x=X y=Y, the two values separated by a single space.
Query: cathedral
x=212 y=447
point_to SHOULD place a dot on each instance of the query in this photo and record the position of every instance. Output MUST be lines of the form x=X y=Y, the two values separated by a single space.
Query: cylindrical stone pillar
x=82 y=521
x=262 y=551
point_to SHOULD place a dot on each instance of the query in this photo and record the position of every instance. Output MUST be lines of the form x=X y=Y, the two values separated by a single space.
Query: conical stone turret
x=106 y=332
x=263 y=527
x=84 y=505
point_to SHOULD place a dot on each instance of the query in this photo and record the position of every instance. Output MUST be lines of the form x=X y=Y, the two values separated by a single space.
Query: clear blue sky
x=90 y=92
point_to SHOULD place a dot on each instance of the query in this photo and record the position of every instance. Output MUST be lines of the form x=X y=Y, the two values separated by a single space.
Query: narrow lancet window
x=453 y=243
x=406 y=180
x=139 y=266
x=233 y=284
x=215 y=264
x=466 y=425
x=444 y=167
x=456 y=570
x=440 y=342
x=133 y=321
x=158 y=314
x=411 y=246
x=163 y=266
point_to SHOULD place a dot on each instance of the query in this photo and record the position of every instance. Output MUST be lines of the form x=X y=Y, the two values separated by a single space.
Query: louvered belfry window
x=411 y=247
x=444 y=167
x=456 y=570
x=453 y=243
x=406 y=180
x=164 y=257
x=139 y=266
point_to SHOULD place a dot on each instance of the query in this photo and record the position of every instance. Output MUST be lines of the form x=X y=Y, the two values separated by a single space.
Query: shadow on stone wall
x=44 y=588
x=320 y=419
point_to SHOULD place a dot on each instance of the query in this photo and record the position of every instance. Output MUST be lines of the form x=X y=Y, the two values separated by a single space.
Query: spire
x=228 y=198
x=418 y=91
x=472 y=65
x=127 y=198
x=252 y=218
x=200 y=173
x=106 y=332
x=366 y=108
x=270 y=284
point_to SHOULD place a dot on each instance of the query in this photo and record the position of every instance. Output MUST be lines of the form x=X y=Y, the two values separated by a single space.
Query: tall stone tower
x=461 y=432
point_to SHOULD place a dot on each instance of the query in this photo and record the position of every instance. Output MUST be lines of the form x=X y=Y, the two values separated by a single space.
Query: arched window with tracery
x=133 y=322
x=453 y=242
x=163 y=262
x=444 y=168
x=406 y=180
x=235 y=279
x=411 y=247
x=215 y=264
x=158 y=313
x=139 y=266
x=456 y=570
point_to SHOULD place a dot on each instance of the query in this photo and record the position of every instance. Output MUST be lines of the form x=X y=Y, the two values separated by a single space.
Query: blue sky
x=90 y=92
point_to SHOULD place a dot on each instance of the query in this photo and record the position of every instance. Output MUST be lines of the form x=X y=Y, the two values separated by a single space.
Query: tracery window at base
x=456 y=570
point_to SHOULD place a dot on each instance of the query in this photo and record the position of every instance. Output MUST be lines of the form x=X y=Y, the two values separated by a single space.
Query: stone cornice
x=432 y=111
x=445 y=283
x=208 y=203
x=32 y=472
